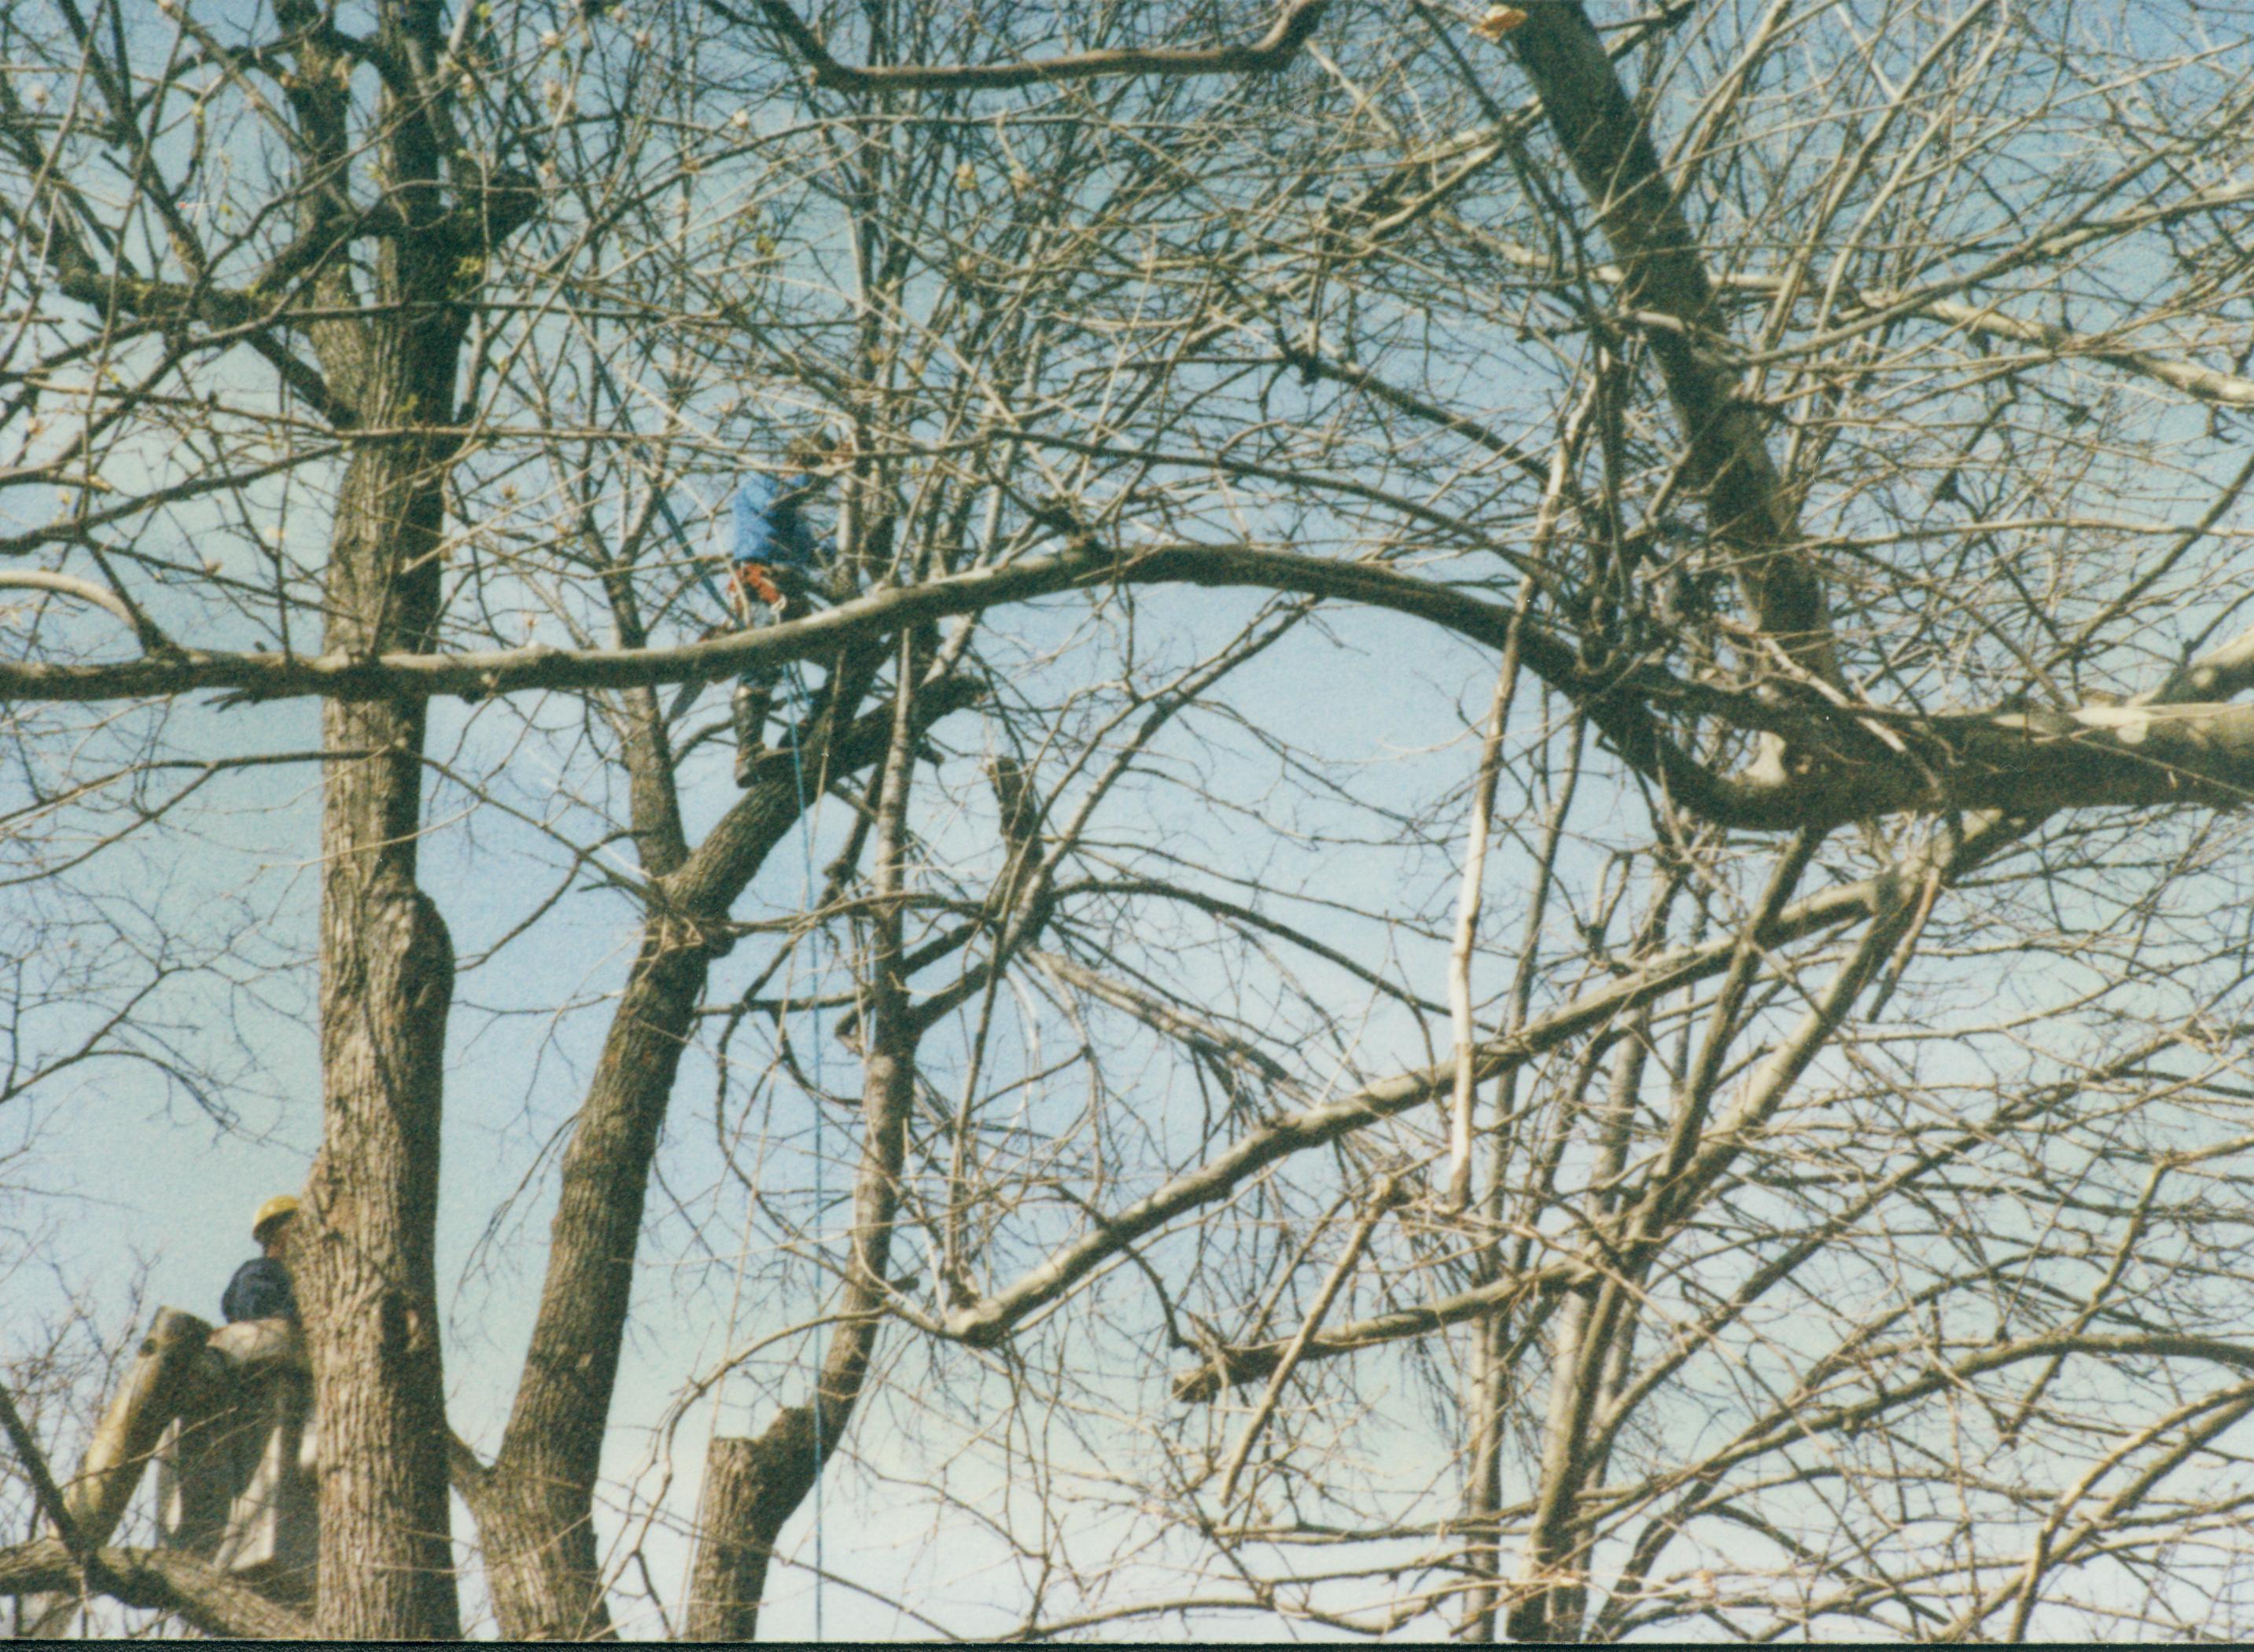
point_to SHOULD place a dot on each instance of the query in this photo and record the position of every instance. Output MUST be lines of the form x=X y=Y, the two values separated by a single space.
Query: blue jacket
x=260 y=1290
x=771 y=525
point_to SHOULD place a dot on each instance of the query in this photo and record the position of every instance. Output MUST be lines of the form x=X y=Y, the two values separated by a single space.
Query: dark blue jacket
x=260 y=1290
x=771 y=526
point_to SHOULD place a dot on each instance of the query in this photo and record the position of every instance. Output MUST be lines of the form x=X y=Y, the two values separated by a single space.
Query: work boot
x=749 y=709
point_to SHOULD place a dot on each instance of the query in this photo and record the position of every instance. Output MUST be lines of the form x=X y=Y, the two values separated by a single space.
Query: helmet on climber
x=273 y=1211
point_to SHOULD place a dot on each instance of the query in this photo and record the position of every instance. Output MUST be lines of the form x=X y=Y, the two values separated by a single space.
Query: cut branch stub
x=751 y=1488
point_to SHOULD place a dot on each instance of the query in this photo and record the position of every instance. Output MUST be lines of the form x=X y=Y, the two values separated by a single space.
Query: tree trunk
x=366 y=1278
x=535 y=1504
x=746 y=1483
x=786 y=1461
x=362 y=1251
x=535 y=1507
x=365 y=1274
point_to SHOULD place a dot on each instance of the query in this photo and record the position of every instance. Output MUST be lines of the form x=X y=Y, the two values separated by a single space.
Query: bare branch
x=86 y=591
x=1608 y=144
x=1292 y=26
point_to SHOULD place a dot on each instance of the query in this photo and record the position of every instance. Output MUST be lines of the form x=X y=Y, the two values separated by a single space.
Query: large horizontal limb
x=1617 y=701
x=2020 y=762
x=1294 y=24
x=475 y=676
x=1866 y=761
x=2175 y=743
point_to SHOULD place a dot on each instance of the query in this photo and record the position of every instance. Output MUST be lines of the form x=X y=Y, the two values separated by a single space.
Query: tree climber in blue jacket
x=261 y=1289
x=771 y=569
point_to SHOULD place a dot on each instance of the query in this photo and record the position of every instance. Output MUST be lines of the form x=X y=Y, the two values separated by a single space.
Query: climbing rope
x=799 y=701
x=821 y=1201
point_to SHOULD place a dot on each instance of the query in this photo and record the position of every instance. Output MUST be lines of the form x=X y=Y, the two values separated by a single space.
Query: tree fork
x=773 y=1479
x=364 y=1259
x=534 y=1505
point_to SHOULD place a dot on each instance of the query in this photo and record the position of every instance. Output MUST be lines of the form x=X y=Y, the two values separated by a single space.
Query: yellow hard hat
x=273 y=1210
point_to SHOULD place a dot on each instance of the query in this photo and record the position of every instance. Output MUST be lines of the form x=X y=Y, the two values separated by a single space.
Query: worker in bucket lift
x=771 y=569
x=261 y=1289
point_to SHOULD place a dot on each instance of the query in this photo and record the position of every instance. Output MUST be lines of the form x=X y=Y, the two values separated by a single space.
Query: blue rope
x=806 y=846
x=702 y=568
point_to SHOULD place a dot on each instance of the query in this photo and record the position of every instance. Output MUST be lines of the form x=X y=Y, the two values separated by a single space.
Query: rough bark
x=746 y=1481
x=535 y=1514
x=366 y=1272
x=362 y=1252
x=363 y=1256
x=205 y=1598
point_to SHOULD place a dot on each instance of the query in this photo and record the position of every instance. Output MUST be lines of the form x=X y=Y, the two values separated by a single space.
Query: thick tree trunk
x=362 y=1252
x=367 y=1275
x=535 y=1507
